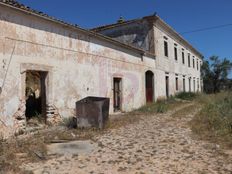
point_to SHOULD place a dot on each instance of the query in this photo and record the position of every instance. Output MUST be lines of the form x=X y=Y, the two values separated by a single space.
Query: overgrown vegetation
x=70 y=122
x=186 y=95
x=214 y=122
x=161 y=106
x=158 y=107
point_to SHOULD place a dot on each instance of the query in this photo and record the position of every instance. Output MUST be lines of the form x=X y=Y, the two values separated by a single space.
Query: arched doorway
x=149 y=86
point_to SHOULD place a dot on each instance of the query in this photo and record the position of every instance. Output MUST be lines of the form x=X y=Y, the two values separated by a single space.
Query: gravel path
x=156 y=144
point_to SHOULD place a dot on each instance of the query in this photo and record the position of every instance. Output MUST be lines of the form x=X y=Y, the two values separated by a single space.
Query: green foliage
x=156 y=107
x=161 y=107
x=215 y=119
x=69 y=122
x=186 y=95
x=215 y=74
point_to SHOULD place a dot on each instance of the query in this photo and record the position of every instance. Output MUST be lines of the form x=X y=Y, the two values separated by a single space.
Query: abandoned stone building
x=46 y=65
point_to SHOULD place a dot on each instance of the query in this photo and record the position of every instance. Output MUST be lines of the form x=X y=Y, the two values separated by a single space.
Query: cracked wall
x=78 y=66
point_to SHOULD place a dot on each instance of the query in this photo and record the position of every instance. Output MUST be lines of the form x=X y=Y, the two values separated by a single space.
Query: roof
x=23 y=8
x=152 y=18
x=109 y=26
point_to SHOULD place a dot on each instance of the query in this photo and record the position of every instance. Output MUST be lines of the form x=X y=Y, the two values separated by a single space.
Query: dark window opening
x=193 y=63
x=183 y=61
x=166 y=48
x=175 y=52
x=177 y=84
x=188 y=60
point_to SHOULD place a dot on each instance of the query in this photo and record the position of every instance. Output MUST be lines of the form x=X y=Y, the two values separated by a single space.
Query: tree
x=215 y=74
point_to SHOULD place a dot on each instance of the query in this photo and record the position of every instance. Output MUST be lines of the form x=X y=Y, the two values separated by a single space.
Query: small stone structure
x=92 y=112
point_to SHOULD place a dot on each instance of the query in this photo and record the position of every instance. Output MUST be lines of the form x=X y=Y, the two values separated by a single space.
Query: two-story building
x=46 y=65
x=177 y=63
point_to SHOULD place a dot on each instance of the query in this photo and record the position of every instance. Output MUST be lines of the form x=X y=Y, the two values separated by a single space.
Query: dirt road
x=159 y=143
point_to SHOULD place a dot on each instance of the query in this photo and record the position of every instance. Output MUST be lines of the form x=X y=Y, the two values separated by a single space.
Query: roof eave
x=90 y=33
x=180 y=37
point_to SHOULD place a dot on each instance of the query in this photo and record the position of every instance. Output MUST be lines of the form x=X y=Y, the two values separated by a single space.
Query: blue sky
x=182 y=15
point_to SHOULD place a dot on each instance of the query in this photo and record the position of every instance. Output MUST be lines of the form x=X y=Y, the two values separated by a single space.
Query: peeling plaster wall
x=78 y=66
x=153 y=40
x=170 y=65
x=137 y=34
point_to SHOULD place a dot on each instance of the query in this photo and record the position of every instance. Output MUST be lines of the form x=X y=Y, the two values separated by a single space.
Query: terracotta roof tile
x=16 y=4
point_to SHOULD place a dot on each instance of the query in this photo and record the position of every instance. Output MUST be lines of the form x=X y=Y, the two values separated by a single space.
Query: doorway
x=117 y=94
x=167 y=86
x=190 y=90
x=149 y=86
x=36 y=96
x=184 y=84
x=194 y=85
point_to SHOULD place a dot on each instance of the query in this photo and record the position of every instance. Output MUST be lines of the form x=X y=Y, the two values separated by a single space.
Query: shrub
x=186 y=95
x=69 y=122
x=160 y=106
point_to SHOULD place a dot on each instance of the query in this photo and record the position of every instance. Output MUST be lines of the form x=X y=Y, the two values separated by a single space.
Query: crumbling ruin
x=47 y=65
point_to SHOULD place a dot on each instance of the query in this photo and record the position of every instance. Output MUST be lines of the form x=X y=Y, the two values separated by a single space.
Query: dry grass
x=185 y=111
x=32 y=148
x=214 y=122
x=150 y=109
x=14 y=152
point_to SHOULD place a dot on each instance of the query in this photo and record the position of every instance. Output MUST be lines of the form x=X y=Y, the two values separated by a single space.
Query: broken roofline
x=152 y=18
x=20 y=7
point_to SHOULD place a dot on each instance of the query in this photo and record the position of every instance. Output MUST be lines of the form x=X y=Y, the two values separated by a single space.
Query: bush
x=186 y=95
x=69 y=122
x=161 y=107
x=156 y=107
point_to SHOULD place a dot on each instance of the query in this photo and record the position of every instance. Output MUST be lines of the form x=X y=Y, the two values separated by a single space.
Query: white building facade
x=57 y=64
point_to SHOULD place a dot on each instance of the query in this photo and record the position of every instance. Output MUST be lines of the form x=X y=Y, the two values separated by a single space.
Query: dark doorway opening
x=167 y=85
x=36 y=96
x=149 y=86
x=184 y=84
x=117 y=94
x=190 y=90
x=194 y=85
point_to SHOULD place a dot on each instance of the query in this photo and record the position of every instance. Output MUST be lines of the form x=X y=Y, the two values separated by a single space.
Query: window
x=200 y=66
x=175 y=52
x=166 y=48
x=183 y=61
x=193 y=62
x=197 y=65
x=188 y=59
x=176 y=83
